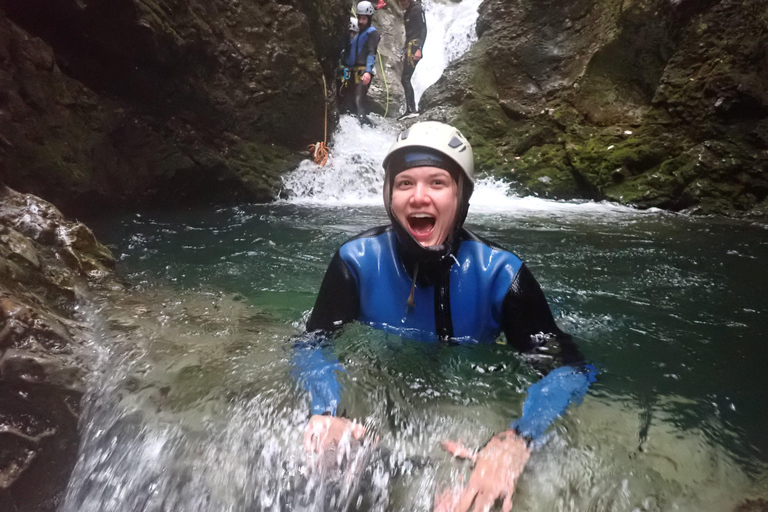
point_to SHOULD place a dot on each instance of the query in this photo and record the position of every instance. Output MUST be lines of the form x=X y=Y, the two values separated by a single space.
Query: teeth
x=421 y=216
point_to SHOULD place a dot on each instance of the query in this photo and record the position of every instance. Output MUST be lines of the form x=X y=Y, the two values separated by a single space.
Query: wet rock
x=149 y=102
x=758 y=505
x=48 y=265
x=651 y=103
x=386 y=93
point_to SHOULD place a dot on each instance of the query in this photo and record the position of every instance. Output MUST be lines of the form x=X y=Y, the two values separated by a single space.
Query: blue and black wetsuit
x=468 y=295
x=360 y=57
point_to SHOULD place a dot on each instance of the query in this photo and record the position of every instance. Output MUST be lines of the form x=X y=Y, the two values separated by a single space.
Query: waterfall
x=450 y=33
x=353 y=175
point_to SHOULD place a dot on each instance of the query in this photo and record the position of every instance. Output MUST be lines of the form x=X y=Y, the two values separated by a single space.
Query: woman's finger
x=457 y=449
x=465 y=502
x=507 y=506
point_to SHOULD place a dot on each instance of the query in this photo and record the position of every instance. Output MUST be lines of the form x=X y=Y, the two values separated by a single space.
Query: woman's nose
x=420 y=193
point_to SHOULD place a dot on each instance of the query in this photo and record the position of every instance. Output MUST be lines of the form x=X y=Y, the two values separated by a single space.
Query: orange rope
x=319 y=151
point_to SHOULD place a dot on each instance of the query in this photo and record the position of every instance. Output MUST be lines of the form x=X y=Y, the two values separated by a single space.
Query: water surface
x=670 y=307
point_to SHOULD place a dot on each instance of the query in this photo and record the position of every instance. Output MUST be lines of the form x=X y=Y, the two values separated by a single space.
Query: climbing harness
x=357 y=73
x=319 y=151
x=410 y=51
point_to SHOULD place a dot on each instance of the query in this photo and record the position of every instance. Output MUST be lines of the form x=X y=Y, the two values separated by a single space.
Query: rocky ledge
x=48 y=268
x=157 y=102
x=653 y=103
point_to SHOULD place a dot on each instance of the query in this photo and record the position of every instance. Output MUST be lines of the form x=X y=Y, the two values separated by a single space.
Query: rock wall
x=647 y=102
x=47 y=266
x=106 y=103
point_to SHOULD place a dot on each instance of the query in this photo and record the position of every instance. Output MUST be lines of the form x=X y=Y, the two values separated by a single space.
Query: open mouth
x=421 y=224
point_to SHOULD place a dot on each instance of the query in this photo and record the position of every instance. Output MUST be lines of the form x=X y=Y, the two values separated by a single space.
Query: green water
x=671 y=308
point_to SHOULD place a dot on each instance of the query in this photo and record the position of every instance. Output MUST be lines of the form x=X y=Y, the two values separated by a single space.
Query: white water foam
x=353 y=175
x=493 y=196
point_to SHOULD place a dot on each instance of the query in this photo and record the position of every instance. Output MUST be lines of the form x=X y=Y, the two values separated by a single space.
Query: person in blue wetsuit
x=424 y=276
x=359 y=61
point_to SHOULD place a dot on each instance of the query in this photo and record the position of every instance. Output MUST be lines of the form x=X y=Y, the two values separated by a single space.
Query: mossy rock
x=485 y=117
x=544 y=171
x=259 y=166
x=607 y=159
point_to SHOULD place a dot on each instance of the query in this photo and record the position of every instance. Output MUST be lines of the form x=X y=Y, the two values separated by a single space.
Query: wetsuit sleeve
x=314 y=365
x=314 y=368
x=421 y=29
x=373 y=45
x=530 y=327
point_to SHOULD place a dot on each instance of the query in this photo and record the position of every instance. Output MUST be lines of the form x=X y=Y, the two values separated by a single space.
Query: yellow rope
x=384 y=76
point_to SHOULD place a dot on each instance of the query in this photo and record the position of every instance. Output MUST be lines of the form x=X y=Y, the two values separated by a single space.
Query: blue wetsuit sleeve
x=373 y=45
x=314 y=363
x=551 y=396
x=314 y=368
x=530 y=327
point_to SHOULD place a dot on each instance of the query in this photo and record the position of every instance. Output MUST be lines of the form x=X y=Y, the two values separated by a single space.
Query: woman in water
x=424 y=276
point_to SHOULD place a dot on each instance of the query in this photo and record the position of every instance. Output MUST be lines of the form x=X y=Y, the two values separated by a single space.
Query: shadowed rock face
x=128 y=102
x=647 y=102
x=46 y=265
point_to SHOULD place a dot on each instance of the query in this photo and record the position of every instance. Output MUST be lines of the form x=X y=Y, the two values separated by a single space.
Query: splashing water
x=353 y=175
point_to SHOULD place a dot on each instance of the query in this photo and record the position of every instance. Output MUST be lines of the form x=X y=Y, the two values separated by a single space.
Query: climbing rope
x=386 y=86
x=319 y=151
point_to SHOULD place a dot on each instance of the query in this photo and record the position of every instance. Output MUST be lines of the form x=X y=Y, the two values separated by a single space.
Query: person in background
x=424 y=276
x=359 y=59
x=415 y=35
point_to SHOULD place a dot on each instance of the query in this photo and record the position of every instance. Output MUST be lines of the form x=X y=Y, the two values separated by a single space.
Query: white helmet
x=353 y=27
x=365 y=8
x=439 y=137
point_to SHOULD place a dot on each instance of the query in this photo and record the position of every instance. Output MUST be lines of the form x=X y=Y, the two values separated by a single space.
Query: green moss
x=544 y=171
x=485 y=117
x=259 y=166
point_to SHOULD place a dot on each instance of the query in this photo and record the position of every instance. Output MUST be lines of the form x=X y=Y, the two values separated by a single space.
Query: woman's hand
x=325 y=431
x=497 y=468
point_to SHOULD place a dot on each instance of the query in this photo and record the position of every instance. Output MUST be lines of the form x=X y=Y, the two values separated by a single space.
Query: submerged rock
x=758 y=505
x=650 y=103
x=47 y=265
